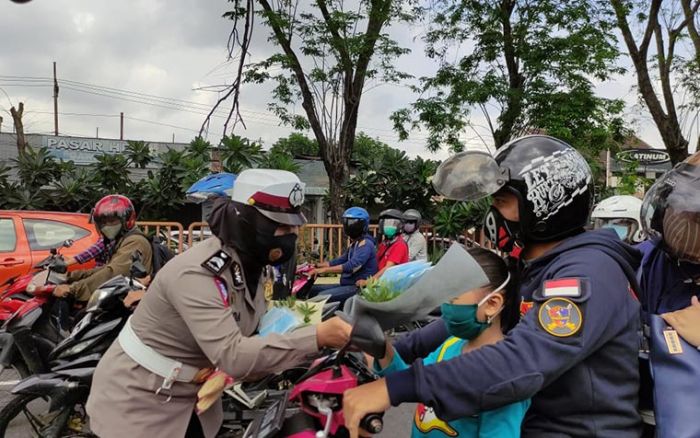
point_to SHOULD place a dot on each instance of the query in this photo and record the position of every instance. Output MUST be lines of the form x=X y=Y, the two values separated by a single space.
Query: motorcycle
x=60 y=395
x=13 y=292
x=35 y=326
x=312 y=407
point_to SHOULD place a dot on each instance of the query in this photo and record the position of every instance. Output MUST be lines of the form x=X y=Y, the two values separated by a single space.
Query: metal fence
x=317 y=241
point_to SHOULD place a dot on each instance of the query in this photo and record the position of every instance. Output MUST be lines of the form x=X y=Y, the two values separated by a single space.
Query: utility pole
x=0 y=124
x=121 y=126
x=97 y=132
x=55 y=101
x=173 y=137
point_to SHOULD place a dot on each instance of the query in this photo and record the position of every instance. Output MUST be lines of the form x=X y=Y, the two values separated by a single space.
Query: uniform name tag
x=673 y=342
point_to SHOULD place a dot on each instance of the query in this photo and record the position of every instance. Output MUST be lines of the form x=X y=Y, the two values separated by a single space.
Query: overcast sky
x=169 y=49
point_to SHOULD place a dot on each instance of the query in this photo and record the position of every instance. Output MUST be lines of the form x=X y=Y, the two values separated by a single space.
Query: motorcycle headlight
x=95 y=299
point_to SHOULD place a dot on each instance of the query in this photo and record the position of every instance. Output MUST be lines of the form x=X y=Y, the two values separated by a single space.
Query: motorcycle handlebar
x=372 y=423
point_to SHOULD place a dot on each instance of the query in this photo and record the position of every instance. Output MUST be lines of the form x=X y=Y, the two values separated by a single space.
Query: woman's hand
x=686 y=322
x=361 y=283
x=334 y=333
x=372 y=398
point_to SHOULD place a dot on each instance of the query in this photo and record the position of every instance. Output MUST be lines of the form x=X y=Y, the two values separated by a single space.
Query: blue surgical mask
x=461 y=319
x=621 y=230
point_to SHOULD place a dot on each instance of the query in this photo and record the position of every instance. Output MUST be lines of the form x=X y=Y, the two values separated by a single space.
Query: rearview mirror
x=138 y=270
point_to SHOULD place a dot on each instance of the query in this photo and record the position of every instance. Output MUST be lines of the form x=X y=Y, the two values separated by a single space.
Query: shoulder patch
x=223 y=291
x=237 y=272
x=562 y=287
x=560 y=317
x=217 y=263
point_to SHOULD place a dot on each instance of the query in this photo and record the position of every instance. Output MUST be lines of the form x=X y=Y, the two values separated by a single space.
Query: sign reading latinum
x=84 y=151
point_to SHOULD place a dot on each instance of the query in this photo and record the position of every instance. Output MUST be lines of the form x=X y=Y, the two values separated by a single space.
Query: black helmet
x=671 y=212
x=551 y=180
x=393 y=218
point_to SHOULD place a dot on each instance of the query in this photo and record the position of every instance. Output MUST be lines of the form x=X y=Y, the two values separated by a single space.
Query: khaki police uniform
x=198 y=311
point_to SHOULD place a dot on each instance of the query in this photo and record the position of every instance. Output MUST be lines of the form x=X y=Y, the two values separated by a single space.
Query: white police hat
x=276 y=194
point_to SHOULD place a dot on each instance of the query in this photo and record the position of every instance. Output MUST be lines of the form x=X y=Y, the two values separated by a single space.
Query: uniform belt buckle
x=168 y=382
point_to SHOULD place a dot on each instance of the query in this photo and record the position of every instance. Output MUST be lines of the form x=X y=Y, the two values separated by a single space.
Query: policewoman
x=201 y=313
x=574 y=351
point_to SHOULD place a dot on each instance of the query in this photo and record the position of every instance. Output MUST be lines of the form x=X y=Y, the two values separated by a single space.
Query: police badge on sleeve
x=217 y=263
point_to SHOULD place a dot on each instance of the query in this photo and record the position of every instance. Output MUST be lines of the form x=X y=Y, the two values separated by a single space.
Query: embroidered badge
x=223 y=291
x=296 y=197
x=525 y=306
x=562 y=287
x=217 y=263
x=238 y=282
x=426 y=421
x=560 y=317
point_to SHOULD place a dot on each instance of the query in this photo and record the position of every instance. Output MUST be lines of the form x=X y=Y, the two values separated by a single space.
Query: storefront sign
x=644 y=156
x=83 y=151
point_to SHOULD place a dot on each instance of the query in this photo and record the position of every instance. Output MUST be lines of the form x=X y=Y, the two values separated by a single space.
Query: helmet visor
x=624 y=227
x=671 y=210
x=469 y=176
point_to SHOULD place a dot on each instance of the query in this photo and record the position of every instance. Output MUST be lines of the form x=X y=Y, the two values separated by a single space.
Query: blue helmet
x=355 y=222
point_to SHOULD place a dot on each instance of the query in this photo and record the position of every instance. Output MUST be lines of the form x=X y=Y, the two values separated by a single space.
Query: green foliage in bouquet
x=304 y=309
x=377 y=291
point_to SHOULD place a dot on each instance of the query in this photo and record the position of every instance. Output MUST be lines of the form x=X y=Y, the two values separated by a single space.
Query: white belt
x=170 y=370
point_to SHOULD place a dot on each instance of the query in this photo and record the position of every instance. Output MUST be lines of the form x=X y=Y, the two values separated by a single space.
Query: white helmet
x=622 y=214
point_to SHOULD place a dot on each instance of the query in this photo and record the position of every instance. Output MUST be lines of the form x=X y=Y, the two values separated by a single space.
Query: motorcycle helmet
x=411 y=219
x=355 y=222
x=671 y=211
x=550 y=179
x=622 y=214
x=114 y=215
x=390 y=222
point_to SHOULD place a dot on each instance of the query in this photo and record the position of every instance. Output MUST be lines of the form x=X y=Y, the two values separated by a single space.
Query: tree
x=239 y=153
x=296 y=144
x=36 y=168
x=328 y=53
x=524 y=53
x=19 y=127
x=278 y=160
x=667 y=24
x=453 y=218
x=138 y=153
x=387 y=178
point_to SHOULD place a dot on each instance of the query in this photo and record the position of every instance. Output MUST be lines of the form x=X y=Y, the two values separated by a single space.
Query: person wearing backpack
x=115 y=218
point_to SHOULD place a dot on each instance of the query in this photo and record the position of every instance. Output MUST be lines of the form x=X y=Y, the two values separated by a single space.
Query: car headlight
x=95 y=298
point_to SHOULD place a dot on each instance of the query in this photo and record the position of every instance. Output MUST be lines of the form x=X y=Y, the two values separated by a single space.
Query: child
x=476 y=318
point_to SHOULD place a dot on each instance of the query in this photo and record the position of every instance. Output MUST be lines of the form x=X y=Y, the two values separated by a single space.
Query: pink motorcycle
x=313 y=408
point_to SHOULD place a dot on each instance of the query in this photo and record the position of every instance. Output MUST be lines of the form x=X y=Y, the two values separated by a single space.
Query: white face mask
x=111 y=231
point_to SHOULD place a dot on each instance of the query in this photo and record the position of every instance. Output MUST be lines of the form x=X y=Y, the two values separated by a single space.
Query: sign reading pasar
x=81 y=150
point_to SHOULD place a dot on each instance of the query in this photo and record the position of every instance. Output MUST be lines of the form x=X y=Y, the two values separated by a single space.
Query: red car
x=27 y=236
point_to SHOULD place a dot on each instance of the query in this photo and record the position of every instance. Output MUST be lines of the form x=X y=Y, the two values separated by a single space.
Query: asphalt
x=398 y=422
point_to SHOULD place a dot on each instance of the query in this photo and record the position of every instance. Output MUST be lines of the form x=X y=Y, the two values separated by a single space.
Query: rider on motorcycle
x=670 y=280
x=580 y=321
x=359 y=261
x=202 y=312
x=115 y=219
x=417 y=246
x=620 y=213
x=393 y=249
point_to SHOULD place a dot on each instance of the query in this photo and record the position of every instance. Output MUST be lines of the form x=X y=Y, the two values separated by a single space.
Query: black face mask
x=274 y=250
x=502 y=232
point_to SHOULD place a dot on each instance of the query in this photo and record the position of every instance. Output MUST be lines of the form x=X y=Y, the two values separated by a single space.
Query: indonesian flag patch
x=562 y=287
